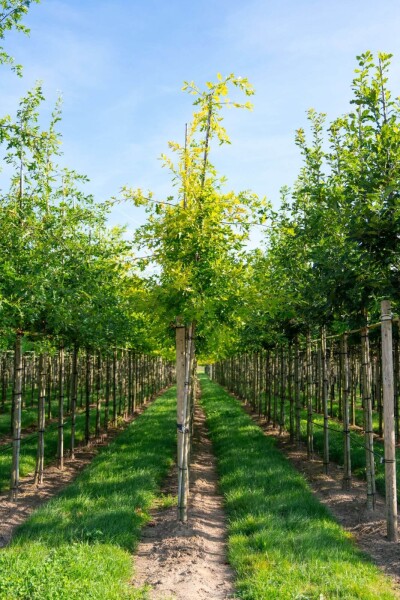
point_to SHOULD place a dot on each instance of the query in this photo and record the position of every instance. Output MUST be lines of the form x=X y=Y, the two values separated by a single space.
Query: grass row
x=79 y=545
x=29 y=413
x=29 y=442
x=336 y=449
x=29 y=446
x=283 y=544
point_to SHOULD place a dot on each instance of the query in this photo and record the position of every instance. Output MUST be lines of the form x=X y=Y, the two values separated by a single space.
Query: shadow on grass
x=282 y=542
x=100 y=514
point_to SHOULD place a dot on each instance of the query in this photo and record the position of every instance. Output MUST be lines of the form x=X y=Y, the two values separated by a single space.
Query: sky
x=120 y=66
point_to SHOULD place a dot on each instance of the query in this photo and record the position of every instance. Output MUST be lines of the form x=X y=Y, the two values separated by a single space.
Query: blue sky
x=120 y=67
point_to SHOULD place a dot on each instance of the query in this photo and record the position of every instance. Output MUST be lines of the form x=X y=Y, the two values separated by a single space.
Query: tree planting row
x=306 y=381
x=79 y=544
x=282 y=542
x=73 y=396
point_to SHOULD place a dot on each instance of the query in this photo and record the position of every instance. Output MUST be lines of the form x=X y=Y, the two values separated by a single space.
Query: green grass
x=336 y=451
x=282 y=543
x=79 y=545
x=29 y=446
x=29 y=443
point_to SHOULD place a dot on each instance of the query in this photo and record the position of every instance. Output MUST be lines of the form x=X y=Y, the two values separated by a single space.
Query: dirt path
x=31 y=497
x=188 y=562
x=368 y=528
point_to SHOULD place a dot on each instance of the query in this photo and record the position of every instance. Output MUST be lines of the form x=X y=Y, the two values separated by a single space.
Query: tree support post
x=325 y=394
x=17 y=402
x=389 y=423
x=346 y=413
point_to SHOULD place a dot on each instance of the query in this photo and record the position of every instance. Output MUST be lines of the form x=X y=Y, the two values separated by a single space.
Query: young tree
x=197 y=239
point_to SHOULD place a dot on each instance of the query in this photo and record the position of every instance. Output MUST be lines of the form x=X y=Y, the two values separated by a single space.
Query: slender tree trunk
x=185 y=356
x=87 y=395
x=388 y=407
x=61 y=374
x=367 y=403
x=297 y=391
x=74 y=396
x=290 y=393
x=310 y=435
x=282 y=391
x=114 y=389
x=41 y=420
x=98 y=395
x=325 y=394
x=108 y=393
x=180 y=384
x=17 y=402
x=346 y=415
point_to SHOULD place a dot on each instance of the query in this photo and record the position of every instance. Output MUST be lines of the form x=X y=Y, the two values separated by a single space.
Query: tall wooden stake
x=346 y=414
x=367 y=403
x=325 y=394
x=389 y=423
x=17 y=401
x=74 y=396
x=297 y=396
x=180 y=392
x=310 y=428
x=61 y=373
x=38 y=480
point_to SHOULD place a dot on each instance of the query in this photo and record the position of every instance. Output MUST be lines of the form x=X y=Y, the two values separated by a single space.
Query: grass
x=79 y=545
x=29 y=446
x=29 y=443
x=282 y=543
x=336 y=451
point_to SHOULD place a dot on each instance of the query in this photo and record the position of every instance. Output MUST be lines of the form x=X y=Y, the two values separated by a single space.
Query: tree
x=197 y=238
x=13 y=12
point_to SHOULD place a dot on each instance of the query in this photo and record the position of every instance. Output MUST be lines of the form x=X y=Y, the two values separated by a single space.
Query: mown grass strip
x=29 y=447
x=282 y=542
x=79 y=545
x=336 y=453
x=29 y=443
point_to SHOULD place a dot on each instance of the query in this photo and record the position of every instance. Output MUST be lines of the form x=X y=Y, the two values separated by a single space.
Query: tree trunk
x=367 y=404
x=388 y=407
x=74 y=396
x=41 y=420
x=17 y=401
x=61 y=373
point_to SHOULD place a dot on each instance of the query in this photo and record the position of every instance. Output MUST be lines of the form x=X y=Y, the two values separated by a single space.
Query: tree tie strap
x=182 y=429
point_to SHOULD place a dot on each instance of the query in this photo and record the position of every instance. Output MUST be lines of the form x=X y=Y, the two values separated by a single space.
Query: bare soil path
x=367 y=528
x=188 y=561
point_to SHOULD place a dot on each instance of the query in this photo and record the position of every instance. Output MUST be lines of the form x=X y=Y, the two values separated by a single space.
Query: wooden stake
x=38 y=480
x=17 y=401
x=367 y=404
x=346 y=414
x=180 y=333
x=297 y=396
x=325 y=394
x=74 y=396
x=61 y=373
x=389 y=423
x=310 y=433
x=184 y=488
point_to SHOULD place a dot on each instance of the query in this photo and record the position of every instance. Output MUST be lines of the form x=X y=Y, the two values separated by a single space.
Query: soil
x=349 y=508
x=188 y=561
x=31 y=496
